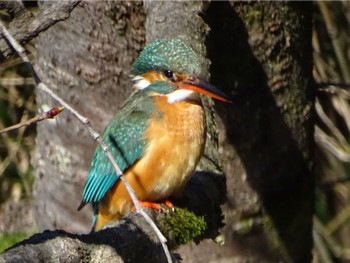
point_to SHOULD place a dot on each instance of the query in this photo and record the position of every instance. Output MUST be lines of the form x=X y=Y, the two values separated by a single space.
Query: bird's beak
x=201 y=86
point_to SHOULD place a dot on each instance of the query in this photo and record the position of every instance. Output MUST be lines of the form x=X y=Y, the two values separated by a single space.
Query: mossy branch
x=117 y=241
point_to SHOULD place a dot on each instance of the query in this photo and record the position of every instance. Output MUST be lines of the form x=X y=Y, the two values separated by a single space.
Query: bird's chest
x=175 y=143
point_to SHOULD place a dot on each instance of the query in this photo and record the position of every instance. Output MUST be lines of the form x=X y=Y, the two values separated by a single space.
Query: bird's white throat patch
x=140 y=82
x=181 y=95
x=173 y=97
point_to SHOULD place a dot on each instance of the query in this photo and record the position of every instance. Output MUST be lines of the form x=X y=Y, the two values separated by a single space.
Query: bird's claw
x=163 y=207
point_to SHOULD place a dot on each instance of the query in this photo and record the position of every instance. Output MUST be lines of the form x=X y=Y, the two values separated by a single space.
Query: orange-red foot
x=152 y=205
x=169 y=204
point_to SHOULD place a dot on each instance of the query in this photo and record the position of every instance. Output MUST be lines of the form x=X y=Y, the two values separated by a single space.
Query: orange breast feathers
x=175 y=143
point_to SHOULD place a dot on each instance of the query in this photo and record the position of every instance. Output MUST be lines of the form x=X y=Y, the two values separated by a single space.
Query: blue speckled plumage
x=164 y=54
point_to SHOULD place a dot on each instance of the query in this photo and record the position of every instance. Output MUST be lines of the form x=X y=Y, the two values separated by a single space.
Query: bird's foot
x=169 y=204
x=156 y=206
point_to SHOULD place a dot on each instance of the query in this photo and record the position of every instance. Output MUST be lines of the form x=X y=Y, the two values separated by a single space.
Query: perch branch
x=112 y=244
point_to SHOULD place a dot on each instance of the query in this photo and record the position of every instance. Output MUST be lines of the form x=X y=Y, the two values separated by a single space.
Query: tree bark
x=260 y=54
x=26 y=26
x=86 y=60
x=115 y=244
x=91 y=72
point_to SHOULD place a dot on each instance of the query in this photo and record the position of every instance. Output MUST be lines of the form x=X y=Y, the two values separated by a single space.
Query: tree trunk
x=260 y=54
x=86 y=60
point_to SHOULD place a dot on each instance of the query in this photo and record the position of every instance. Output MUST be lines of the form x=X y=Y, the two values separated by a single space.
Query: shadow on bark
x=204 y=194
x=276 y=164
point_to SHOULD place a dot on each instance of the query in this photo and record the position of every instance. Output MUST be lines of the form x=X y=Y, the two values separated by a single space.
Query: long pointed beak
x=201 y=86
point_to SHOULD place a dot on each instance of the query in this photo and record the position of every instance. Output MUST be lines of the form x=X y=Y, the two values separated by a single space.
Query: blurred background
x=331 y=52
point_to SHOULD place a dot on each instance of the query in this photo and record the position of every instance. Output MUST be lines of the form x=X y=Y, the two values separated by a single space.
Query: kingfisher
x=158 y=135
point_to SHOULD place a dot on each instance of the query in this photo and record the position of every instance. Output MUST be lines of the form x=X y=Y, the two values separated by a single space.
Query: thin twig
x=95 y=135
x=42 y=116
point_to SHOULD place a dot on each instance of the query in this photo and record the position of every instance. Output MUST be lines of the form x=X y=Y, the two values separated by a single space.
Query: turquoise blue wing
x=124 y=138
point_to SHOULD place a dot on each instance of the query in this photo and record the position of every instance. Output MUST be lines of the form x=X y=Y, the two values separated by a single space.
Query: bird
x=158 y=135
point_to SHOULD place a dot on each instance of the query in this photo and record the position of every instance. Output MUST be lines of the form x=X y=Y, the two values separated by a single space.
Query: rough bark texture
x=116 y=244
x=90 y=70
x=26 y=26
x=260 y=54
x=86 y=60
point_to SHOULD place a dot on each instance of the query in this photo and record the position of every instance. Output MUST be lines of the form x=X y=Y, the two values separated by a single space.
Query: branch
x=110 y=244
x=25 y=27
x=42 y=116
x=130 y=239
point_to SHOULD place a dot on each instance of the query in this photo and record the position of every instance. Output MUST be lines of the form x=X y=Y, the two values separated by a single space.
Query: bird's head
x=172 y=61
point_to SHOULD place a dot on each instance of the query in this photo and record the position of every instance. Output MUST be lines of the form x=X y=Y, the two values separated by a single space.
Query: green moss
x=252 y=14
x=111 y=14
x=182 y=227
x=9 y=239
x=245 y=226
x=273 y=237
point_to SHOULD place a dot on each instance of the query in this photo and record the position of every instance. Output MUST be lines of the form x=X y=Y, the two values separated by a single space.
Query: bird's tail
x=82 y=204
x=94 y=219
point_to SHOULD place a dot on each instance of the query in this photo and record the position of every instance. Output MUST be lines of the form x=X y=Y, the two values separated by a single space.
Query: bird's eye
x=168 y=73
